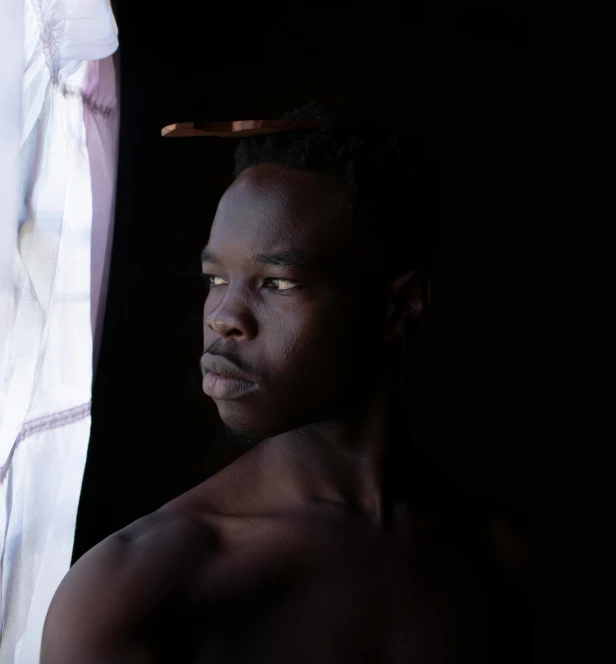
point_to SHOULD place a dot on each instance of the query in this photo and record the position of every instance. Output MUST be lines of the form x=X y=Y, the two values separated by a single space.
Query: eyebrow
x=290 y=258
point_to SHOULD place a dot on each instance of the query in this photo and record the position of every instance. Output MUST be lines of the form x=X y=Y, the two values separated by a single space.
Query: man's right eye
x=211 y=280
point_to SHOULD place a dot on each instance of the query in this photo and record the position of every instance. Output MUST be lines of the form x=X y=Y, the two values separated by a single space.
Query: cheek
x=289 y=340
x=313 y=344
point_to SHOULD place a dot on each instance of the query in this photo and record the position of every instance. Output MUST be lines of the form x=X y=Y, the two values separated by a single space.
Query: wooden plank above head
x=237 y=128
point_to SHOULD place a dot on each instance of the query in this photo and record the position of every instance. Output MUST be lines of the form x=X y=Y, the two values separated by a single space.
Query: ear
x=408 y=299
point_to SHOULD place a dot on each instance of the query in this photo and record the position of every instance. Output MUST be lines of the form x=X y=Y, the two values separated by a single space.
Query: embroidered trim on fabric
x=44 y=423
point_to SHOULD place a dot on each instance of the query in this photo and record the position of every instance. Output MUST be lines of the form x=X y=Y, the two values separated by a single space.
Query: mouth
x=222 y=379
x=218 y=386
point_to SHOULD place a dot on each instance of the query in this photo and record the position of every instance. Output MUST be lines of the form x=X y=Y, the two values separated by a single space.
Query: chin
x=242 y=439
x=240 y=423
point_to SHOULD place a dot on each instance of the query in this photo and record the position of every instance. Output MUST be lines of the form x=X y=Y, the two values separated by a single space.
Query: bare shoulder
x=102 y=608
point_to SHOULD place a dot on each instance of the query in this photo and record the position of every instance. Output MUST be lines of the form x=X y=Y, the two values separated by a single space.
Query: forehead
x=271 y=206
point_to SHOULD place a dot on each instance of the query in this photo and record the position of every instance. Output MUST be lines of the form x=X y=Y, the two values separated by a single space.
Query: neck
x=346 y=461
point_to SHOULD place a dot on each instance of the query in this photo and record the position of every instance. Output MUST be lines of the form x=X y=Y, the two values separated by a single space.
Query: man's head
x=318 y=259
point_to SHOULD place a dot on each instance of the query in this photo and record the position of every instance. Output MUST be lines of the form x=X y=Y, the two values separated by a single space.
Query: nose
x=231 y=317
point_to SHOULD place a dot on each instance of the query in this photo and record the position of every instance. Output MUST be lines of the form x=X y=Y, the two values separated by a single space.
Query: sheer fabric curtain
x=58 y=137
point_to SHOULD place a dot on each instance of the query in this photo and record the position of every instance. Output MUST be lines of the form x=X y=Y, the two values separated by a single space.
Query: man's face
x=293 y=301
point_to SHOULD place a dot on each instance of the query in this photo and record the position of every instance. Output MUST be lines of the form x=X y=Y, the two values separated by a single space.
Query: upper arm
x=104 y=608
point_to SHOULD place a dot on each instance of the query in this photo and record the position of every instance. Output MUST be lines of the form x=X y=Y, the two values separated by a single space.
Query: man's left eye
x=283 y=284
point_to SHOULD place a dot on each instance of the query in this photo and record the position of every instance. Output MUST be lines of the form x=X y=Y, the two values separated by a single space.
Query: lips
x=223 y=380
x=220 y=365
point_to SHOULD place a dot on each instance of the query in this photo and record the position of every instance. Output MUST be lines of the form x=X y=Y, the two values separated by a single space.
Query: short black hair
x=392 y=185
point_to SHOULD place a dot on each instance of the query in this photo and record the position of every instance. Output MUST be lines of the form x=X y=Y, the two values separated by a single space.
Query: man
x=332 y=539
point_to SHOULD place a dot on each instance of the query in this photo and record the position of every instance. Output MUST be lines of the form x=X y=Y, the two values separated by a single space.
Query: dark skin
x=332 y=539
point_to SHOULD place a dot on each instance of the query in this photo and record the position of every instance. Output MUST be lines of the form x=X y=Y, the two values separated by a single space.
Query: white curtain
x=58 y=135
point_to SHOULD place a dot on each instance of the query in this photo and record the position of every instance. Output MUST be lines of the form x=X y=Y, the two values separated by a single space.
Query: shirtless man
x=332 y=540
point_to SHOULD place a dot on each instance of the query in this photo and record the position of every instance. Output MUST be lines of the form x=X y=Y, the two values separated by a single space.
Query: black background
x=457 y=72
